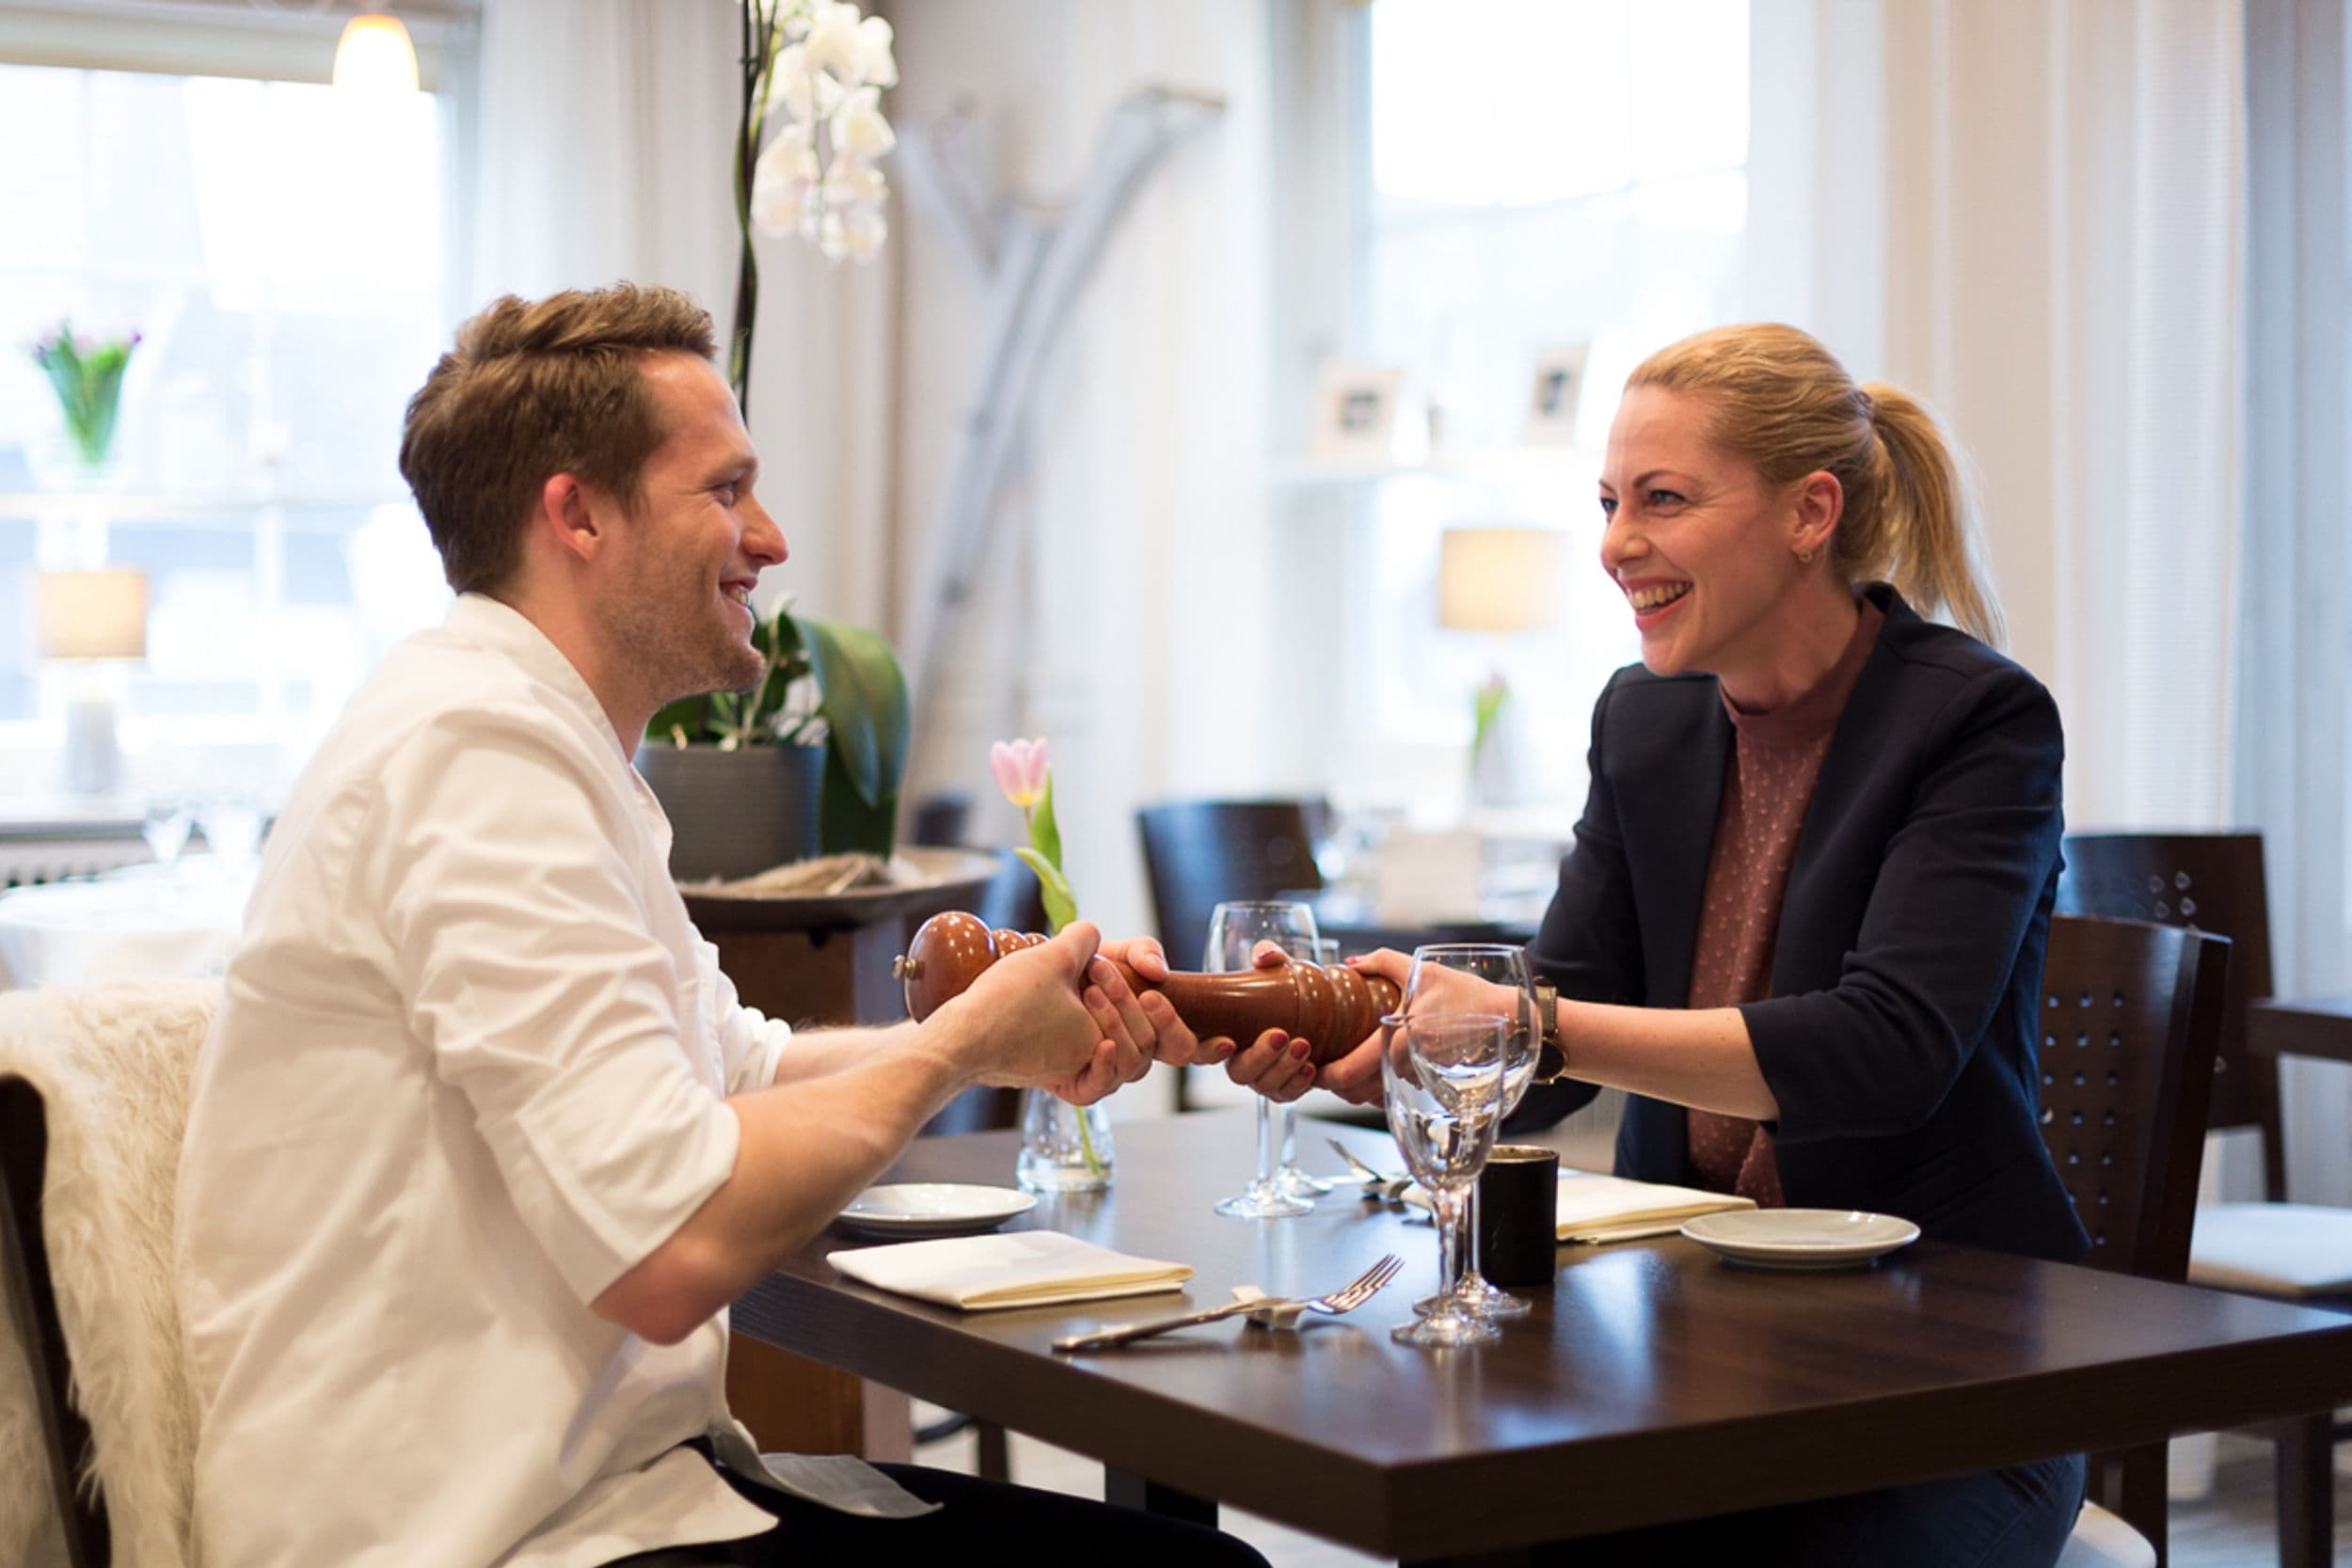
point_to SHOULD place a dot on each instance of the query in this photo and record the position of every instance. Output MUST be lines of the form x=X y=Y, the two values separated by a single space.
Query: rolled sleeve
x=751 y=1044
x=533 y=979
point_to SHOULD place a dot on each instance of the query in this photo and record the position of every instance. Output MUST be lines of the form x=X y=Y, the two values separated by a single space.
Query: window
x=1536 y=175
x=280 y=247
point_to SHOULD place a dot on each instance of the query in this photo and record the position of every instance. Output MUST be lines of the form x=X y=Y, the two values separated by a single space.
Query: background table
x=2306 y=1026
x=140 y=923
x=1653 y=1381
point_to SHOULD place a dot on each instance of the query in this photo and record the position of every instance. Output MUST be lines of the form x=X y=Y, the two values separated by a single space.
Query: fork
x=1345 y=1299
x=1385 y=1188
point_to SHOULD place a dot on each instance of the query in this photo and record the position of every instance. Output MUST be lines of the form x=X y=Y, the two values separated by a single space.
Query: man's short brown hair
x=534 y=389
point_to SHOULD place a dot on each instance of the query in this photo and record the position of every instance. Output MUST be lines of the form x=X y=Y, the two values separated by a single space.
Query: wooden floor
x=2232 y=1529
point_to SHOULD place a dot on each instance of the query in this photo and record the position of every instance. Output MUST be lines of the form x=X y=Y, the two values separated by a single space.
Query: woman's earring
x=1805 y=557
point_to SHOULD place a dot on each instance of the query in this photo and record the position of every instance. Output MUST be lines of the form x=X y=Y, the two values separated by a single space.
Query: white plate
x=1800 y=1238
x=933 y=1209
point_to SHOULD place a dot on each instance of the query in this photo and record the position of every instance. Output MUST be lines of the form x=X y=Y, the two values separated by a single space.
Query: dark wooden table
x=2307 y=1026
x=1652 y=1383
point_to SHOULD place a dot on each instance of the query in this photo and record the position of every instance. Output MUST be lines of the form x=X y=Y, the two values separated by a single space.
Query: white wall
x=1125 y=605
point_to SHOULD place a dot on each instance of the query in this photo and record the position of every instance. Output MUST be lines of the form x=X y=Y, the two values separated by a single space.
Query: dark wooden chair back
x=1200 y=853
x=2130 y=1010
x=2209 y=882
x=24 y=1275
x=2130 y=1014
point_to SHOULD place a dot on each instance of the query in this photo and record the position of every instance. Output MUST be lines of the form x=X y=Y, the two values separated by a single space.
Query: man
x=482 y=1143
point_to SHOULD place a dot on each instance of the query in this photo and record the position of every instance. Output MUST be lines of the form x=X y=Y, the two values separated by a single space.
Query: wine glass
x=1442 y=1077
x=1480 y=976
x=165 y=826
x=1235 y=929
x=1293 y=1182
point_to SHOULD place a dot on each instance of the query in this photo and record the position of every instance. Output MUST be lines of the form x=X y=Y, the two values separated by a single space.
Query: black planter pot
x=735 y=813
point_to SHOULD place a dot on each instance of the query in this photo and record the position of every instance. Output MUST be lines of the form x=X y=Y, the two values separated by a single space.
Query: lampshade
x=375 y=55
x=98 y=615
x=1498 y=578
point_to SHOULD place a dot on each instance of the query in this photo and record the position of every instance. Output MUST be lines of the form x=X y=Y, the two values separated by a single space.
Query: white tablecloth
x=143 y=922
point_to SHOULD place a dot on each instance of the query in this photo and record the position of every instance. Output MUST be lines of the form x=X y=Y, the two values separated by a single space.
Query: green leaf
x=689 y=715
x=1061 y=906
x=1044 y=831
x=847 y=821
x=864 y=699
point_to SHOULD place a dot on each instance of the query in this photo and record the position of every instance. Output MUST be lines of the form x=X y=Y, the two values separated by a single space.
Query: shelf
x=1499 y=463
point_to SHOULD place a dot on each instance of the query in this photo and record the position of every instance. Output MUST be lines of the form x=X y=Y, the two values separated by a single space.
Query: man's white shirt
x=469 y=1070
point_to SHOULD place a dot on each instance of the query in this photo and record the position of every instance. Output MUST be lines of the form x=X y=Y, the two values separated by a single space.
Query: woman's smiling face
x=1703 y=549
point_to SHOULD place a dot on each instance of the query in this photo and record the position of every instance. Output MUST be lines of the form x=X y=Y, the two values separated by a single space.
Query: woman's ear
x=1820 y=501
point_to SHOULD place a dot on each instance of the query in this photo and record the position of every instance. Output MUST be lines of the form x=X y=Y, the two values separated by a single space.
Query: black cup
x=1518 y=1205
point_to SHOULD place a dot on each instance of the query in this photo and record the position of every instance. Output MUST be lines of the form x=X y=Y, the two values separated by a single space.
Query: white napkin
x=1597 y=1208
x=1019 y=1268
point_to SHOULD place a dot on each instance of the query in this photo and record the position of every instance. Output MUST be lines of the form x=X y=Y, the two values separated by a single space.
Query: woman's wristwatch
x=1551 y=1057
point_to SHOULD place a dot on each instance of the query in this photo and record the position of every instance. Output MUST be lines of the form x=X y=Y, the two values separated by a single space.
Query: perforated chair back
x=2130 y=1011
x=1200 y=853
x=2209 y=882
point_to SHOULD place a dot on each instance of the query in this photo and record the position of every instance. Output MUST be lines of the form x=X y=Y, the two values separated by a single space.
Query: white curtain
x=2294 y=735
x=2030 y=213
x=604 y=152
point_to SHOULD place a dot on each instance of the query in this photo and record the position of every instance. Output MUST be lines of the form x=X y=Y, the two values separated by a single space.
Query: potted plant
x=806 y=762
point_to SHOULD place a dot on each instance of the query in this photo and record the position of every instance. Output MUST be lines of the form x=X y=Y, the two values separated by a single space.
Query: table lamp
x=91 y=619
x=1498 y=581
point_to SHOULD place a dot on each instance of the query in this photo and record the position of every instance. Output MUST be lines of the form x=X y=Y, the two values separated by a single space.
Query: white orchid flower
x=833 y=39
x=833 y=237
x=791 y=92
x=877 y=66
x=854 y=182
x=782 y=182
x=862 y=230
x=859 y=129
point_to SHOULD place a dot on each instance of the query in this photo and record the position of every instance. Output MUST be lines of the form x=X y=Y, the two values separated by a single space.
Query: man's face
x=676 y=599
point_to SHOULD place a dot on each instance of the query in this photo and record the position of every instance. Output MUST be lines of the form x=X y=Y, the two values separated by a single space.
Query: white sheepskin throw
x=112 y=1065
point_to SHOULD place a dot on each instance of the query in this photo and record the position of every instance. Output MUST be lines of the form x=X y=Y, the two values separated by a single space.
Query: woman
x=1804 y=915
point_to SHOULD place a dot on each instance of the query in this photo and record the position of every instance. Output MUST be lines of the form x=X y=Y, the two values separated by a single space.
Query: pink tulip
x=1019 y=769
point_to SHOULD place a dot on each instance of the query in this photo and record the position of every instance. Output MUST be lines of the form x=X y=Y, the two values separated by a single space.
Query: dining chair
x=93 y=1105
x=2131 y=1013
x=1197 y=854
x=2298 y=1251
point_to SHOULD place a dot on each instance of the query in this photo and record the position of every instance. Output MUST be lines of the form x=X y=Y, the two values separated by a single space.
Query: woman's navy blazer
x=1900 y=1037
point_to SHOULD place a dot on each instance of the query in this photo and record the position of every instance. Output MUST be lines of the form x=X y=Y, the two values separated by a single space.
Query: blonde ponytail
x=1924 y=537
x=1784 y=402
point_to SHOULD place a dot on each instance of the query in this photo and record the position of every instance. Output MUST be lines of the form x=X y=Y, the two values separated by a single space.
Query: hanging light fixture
x=375 y=55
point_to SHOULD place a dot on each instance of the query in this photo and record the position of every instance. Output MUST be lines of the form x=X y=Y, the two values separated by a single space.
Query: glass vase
x=1064 y=1147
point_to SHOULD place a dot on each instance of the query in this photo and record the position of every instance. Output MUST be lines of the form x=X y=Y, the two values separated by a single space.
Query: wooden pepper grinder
x=1332 y=1009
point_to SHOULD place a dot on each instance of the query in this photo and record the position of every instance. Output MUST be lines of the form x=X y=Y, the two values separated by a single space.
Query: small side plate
x=904 y=1209
x=1800 y=1238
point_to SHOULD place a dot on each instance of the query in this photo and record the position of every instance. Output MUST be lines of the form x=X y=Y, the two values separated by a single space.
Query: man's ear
x=566 y=516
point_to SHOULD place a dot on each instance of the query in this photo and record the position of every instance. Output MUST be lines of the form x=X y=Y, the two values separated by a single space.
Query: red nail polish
x=1298 y=1048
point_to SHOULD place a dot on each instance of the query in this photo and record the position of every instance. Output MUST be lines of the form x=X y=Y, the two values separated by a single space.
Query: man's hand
x=1022 y=1022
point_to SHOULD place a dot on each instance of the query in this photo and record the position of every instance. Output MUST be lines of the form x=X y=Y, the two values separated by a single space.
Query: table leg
x=1126 y=1489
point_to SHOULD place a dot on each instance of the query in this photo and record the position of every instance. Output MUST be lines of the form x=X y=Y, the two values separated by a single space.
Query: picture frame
x=1355 y=409
x=1555 y=394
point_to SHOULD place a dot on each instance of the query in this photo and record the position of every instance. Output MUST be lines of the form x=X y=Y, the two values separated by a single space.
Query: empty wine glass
x=164 y=827
x=1442 y=1077
x=232 y=826
x=1479 y=976
x=1293 y=1182
x=1235 y=929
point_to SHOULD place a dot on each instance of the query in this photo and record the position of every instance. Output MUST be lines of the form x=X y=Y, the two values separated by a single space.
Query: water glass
x=1478 y=977
x=1235 y=929
x=164 y=827
x=1442 y=1077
